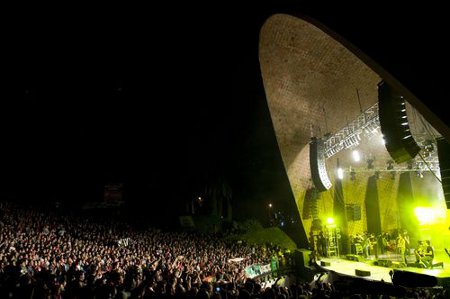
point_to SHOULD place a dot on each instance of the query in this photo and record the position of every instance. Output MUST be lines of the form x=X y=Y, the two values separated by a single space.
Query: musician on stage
x=402 y=242
x=419 y=252
x=428 y=254
x=356 y=244
x=322 y=245
x=383 y=243
x=368 y=245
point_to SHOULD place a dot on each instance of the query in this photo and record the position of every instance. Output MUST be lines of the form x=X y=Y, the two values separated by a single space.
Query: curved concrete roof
x=312 y=82
x=316 y=84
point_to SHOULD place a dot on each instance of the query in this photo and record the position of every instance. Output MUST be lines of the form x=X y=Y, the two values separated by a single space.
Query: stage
x=389 y=270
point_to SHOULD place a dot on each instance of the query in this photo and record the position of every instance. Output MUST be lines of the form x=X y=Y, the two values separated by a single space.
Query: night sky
x=160 y=99
x=163 y=105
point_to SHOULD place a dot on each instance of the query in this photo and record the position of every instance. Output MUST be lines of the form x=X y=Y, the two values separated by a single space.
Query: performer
x=368 y=245
x=322 y=245
x=428 y=255
x=419 y=252
x=408 y=242
x=357 y=242
x=401 y=246
x=383 y=242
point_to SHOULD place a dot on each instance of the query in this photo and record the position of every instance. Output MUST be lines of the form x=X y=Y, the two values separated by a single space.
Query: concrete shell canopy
x=316 y=83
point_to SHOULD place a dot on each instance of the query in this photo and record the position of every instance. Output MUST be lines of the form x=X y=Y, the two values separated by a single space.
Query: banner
x=257 y=269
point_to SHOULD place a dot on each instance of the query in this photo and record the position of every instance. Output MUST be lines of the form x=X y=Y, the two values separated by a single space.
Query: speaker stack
x=353 y=212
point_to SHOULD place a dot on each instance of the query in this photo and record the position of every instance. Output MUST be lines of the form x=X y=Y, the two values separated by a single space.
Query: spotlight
x=428 y=146
x=420 y=166
x=410 y=164
x=356 y=156
x=390 y=165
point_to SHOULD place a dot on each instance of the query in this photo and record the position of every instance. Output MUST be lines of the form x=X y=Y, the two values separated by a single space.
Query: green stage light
x=427 y=216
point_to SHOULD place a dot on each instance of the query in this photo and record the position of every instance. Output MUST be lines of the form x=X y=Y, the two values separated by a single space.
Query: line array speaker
x=394 y=124
x=353 y=212
x=319 y=173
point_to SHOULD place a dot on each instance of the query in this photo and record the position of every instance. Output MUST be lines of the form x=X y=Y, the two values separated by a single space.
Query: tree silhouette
x=218 y=193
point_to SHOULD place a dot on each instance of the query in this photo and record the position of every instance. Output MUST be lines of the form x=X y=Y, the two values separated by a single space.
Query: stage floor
x=344 y=266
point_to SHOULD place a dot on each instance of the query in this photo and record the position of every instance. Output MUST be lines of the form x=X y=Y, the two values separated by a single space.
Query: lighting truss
x=367 y=124
x=417 y=167
x=349 y=137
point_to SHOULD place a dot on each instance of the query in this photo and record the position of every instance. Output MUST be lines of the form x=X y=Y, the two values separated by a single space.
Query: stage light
x=356 y=156
x=428 y=146
x=330 y=220
x=390 y=165
x=367 y=123
x=420 y=168
x=426 y=215
x=410 y=164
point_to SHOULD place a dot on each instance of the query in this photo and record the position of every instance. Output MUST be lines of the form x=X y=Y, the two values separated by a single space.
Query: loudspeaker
x=319 y=173
x=353 y=212
x=310 y=208
x=362 y=272
x=353 y=257
x=325 y=264
x=383 y=263
x=443 y=148
x=394 y=124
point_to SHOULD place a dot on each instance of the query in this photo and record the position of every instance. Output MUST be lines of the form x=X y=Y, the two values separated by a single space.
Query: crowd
x=50 y=255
